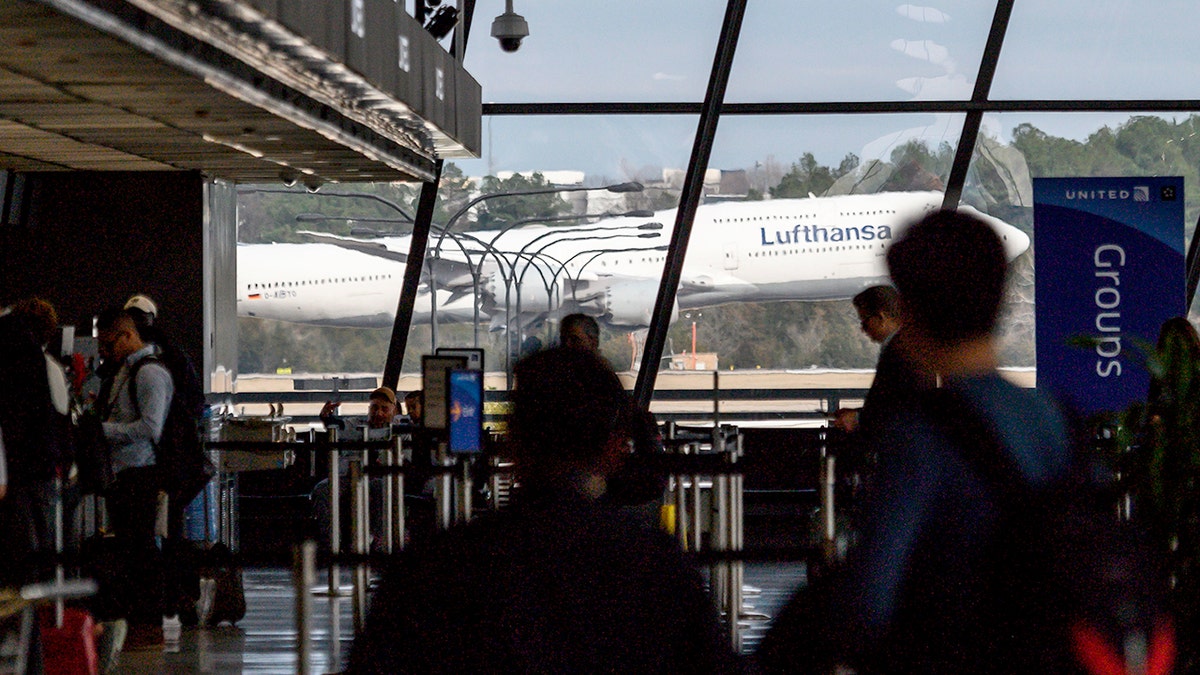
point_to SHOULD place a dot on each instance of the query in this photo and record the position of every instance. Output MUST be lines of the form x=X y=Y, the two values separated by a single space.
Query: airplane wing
x=452 y=273
x=373 y=248
x=707 y=282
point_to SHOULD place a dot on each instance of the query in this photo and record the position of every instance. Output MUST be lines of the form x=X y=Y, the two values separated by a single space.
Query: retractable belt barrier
x=702 y=507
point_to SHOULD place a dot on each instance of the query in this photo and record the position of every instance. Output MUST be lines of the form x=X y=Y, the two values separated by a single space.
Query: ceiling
x=73 y=97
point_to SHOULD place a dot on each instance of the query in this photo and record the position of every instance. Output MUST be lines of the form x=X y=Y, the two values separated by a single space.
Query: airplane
x=819 y=248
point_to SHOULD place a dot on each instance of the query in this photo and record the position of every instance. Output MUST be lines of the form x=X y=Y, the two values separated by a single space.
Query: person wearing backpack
x=134 y=411
x=916 y=593
x=187 y=468
x=184 y=466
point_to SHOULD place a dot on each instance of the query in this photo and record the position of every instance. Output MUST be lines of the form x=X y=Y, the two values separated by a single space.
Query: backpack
x=1073 y=589
x=184 y=465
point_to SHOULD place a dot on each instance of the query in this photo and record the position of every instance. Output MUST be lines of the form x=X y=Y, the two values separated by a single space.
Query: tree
x=808 y=177
x=496 y=212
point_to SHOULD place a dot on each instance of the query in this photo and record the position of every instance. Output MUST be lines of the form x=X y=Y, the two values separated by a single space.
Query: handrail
x=668 y=404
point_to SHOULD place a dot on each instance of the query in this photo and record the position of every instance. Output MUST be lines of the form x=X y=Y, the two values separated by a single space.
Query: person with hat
x=382 y=411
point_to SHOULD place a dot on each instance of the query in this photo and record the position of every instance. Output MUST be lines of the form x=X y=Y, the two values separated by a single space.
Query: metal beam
x=1193 y=268
x=689 y=200
x=840 y=107
x=417 y=246
x=983 y=88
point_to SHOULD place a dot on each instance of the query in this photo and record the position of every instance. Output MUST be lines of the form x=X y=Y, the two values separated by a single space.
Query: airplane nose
x=1015 y=241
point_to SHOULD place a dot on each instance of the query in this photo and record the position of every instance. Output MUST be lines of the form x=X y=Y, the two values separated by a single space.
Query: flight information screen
x=464 y=404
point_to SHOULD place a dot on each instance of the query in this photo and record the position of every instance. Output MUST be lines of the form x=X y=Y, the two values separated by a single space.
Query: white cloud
x=923 y=14
x=926 y=50
x=661 y=77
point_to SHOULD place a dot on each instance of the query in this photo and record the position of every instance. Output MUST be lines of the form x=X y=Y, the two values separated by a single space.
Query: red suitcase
x=71 y=649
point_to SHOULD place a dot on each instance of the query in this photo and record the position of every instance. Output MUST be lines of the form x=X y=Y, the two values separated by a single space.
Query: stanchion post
x=335 y=513
x=828 y=520
x=736 y=567
x=445 y=490
x=386 y=518
x=358 y=528
x=396 y=480
x=697 y=502
x=681 y=520
x=466 y=487
x=304 y=574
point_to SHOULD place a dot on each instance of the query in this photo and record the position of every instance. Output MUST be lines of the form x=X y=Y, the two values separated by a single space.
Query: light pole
x=618 y=188
x=540 y=252
x=475 y=272
x=637 y=213
x=597 y=254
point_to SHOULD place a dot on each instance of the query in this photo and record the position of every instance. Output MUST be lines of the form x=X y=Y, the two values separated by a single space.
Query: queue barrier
x=704 y=501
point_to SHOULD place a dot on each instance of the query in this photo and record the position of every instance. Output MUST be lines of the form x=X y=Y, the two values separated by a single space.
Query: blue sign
x=464 y=403
x=1110 y=267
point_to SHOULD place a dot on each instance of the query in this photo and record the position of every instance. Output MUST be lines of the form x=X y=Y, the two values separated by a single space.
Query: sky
x=808 y=50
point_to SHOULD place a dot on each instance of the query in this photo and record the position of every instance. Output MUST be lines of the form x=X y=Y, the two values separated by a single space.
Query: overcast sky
x=800 y=50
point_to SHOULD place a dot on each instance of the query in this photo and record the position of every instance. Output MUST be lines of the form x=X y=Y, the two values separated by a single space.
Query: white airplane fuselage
x=784 y=249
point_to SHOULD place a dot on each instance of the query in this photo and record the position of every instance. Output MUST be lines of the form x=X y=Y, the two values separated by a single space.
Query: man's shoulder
x=150 y=366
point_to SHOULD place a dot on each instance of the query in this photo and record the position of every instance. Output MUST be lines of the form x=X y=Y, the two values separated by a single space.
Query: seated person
x=381 y=413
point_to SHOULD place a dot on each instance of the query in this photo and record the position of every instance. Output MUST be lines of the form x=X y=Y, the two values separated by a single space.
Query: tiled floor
x=265 y=640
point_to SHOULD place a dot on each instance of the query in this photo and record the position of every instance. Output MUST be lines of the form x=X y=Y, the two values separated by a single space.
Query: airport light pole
x=475 y=271
x=596 y=254
x=648 y=232
x=637 y=213
x=433 y=334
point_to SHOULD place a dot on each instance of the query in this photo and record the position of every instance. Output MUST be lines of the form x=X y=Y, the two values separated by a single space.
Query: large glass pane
x=1029 y=145
x=771 y=267
x=859 y=51
x=620 y=50
x=538 y=229
x=1106 y=49
x=625 y=147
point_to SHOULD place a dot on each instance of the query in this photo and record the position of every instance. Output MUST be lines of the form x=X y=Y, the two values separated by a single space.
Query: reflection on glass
x=1064 y=145
x=796 y=51
x=1097 y=50
x=619 y=50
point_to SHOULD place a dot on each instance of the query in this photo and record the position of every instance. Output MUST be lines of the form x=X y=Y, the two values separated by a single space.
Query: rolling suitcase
x=69 y=649
x=68 y=633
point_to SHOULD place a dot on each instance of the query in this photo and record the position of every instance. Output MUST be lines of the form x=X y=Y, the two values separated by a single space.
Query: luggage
x=223 y=575
x=71 y=648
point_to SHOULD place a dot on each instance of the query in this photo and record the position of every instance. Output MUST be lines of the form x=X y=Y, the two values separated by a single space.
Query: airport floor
x=264 y=642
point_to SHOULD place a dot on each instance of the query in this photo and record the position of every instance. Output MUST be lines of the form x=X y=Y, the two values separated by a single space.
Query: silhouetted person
x=414 y=407
x=631 y=484
x=915 y=594
x=26 y=418
x=896 y=381
x=559 y=582
x=878 y=309
x=579 y=331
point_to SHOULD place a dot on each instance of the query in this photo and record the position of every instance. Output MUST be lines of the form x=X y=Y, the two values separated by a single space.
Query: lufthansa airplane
x=820 y=248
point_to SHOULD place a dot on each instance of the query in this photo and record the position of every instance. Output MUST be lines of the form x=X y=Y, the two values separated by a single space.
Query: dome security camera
x=510 y=28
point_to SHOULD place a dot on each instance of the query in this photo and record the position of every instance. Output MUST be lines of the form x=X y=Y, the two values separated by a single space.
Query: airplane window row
x=867 y=213
x=315 y=282
x=604 y=263
x=743 y=220
x=825 y=249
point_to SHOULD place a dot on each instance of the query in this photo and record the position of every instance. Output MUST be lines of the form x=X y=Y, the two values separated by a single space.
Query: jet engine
x=631 y=303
